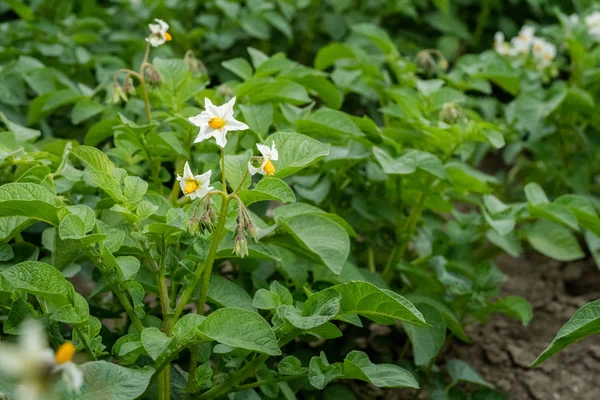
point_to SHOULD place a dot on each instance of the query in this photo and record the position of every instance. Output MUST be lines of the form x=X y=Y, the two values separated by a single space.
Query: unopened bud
x=240 y=247
x=451 y=113
x=206 y=222
x=194 y=226
x=118 y=93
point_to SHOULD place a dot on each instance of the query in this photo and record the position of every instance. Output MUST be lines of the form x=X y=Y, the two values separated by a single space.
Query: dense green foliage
x=413 y=147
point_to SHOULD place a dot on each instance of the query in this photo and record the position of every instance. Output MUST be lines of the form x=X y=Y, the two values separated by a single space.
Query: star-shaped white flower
x=268 y=154
x=31 y=361
x=159 y=34
x=196 y=187
x=216 y=121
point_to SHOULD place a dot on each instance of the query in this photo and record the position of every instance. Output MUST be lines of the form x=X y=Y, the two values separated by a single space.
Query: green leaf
x=42 y=280
x=236 y=167
x=379 y=305
x=154 y=342
x=21 y=133
x=172 y=71
x=241 y=329
x=135 y=189
x=325 y=239
x=296 y=151
x=106 y=182
x=377 y=35
x=460 y=371
x=226 y=293
x=427 y=342
x=268 y=188
x=320 y=373
x=71 y=227
x=290 y=365
x=239 y=66
x=29 y=200
x=328 y=55
x=85 y=109
x=259 y=117
x=280 y=91
x=327 y=122
x=516 y=307
x=6 y=252
x=408 y=162
x=94 y=159
x=104 y=380
x=316 y=311
x=535 y=194
x=358 y=366
x=585 y=322
x=266 y=300
x=553 y=240
x=463 y=176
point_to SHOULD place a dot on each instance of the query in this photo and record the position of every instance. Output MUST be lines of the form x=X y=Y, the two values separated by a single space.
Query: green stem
x=267 y=382
x=85 y=342
x=407 y=233
x=115 y=288
x=143 y=85
x=205 y=273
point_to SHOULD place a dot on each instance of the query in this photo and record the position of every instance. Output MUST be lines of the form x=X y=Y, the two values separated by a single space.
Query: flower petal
x=206 y=132
x=274 y=152
x=200 y=119
x=220 y=136
x=211 y=109
x=187 y=172
x=264 y=150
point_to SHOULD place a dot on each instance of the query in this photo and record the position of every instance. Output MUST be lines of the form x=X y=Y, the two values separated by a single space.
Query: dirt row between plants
x=503 y=349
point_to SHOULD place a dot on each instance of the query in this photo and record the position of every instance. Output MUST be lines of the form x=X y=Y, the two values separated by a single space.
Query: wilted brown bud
x=195 y=64
x=152 y=76
x=128 y=86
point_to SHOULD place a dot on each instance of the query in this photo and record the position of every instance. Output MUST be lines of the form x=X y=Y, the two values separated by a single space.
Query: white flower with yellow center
x=33 y=364
x=522 y=43
x=216 y=121
x=543 y=52
x=159 y=34
x=500 y=44
x=269 y=154
x=593 y=23
x=194 y=186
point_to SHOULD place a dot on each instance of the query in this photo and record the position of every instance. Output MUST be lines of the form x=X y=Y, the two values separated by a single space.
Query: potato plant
x=188 y=213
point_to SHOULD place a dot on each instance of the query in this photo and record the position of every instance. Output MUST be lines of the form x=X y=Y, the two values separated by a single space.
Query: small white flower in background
x=268 y=154
x=159 y=34
x=216 y=121
x=543 y=52
x=522 y=43
x=33 y=363
x=194 y=186
x=593 y=24
x=574 y=19
x=500 y=44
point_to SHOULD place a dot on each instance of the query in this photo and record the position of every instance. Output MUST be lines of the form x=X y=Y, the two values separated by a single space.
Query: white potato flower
x=521 y=44
x=269 y=154
x=194 y=186
x=543 y=52
x=574 y=19
x=500 y=44
x=593 y=24
x=216 y=121
x=33 y=363
x=159 y=34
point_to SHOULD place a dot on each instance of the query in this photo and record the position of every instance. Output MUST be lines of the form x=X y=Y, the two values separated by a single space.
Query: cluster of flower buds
x=431 y=61
x=452 y=113
x=118 y=93
x=244 y=227
x=524 y=44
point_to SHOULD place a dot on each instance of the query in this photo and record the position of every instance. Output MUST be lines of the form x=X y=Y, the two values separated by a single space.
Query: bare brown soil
x=503 y=349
